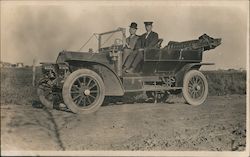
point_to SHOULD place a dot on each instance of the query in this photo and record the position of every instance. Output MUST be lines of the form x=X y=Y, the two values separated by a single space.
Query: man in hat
x=150 y=38
x=146 y=40
x=130 y=41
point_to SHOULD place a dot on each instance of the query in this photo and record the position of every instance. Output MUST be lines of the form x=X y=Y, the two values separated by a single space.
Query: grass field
x=16 y=84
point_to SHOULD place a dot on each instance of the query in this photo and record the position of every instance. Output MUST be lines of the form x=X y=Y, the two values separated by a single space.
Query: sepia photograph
x=125 y=78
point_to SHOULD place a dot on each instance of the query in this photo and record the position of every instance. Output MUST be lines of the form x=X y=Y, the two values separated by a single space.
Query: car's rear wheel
x=83 y=91
x=195 y=87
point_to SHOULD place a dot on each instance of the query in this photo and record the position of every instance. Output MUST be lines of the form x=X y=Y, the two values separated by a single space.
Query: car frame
x=81 y=80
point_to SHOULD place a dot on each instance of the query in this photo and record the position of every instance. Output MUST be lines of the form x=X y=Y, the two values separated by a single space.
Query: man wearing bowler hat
x=146 y=40
x=130 y=41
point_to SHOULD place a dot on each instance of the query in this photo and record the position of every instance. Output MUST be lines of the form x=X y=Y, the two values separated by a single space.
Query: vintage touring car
x=81 y=80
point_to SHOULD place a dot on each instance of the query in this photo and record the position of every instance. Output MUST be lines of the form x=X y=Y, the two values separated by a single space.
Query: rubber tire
x=66 y=91
x=186 y=95
x=47 y=103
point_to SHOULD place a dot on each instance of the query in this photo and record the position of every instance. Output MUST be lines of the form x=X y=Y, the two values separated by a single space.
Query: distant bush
x=223 y=82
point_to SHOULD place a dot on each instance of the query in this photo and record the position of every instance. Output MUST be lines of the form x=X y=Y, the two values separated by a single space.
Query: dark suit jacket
x=150 y=41
x=131 y=41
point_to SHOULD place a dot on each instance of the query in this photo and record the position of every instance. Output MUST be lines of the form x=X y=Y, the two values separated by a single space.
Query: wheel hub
x=197 y=88
x=87 y=92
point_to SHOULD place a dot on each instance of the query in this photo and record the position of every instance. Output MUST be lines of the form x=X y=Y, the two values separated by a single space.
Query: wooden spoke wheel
x=83 y=91
x=195 y=87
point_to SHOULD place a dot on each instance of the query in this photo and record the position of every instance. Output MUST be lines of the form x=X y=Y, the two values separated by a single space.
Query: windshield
x=108 y=39
x=105 y=40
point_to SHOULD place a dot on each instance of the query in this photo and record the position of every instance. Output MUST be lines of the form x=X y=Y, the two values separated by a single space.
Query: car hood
x=65 y=56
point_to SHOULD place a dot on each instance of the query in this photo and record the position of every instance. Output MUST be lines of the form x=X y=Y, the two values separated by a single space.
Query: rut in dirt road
x=55 y=129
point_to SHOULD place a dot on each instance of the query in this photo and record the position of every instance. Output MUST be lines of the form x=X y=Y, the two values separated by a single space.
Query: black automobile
x=81 y=80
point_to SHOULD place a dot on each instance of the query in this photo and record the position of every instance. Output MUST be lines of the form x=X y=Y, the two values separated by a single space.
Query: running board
x=153 y=88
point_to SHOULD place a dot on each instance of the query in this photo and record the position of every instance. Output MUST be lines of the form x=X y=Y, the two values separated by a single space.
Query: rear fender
x=181 y=73
x=112 y=83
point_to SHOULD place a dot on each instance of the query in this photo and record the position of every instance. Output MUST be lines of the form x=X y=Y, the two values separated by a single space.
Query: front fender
x=112 y=83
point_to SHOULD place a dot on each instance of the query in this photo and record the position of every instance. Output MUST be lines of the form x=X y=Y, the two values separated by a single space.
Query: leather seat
x=158 y=44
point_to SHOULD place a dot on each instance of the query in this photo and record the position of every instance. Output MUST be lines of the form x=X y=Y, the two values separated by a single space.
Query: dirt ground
x=217 y=125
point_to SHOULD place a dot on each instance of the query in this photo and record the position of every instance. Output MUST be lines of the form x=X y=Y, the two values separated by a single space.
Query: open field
x=217 y=125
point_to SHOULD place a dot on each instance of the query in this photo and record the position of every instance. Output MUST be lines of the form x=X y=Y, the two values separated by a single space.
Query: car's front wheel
x=195 y=87
x=83 y=91
x=45 y=94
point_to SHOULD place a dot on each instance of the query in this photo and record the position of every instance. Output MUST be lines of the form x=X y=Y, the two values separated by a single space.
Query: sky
x=40 y=30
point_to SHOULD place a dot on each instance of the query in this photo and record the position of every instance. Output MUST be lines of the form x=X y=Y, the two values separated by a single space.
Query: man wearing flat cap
x=150 y=38
x=130 y=41
x=146 y=40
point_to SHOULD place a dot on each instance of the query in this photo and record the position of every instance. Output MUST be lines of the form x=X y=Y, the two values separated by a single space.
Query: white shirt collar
x=148 y=34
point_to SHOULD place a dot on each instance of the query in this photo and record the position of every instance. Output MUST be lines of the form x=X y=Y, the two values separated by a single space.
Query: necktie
x=147 y=35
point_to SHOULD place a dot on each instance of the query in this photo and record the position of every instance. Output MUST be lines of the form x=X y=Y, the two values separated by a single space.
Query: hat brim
x=133 y=27
x=148 y=23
